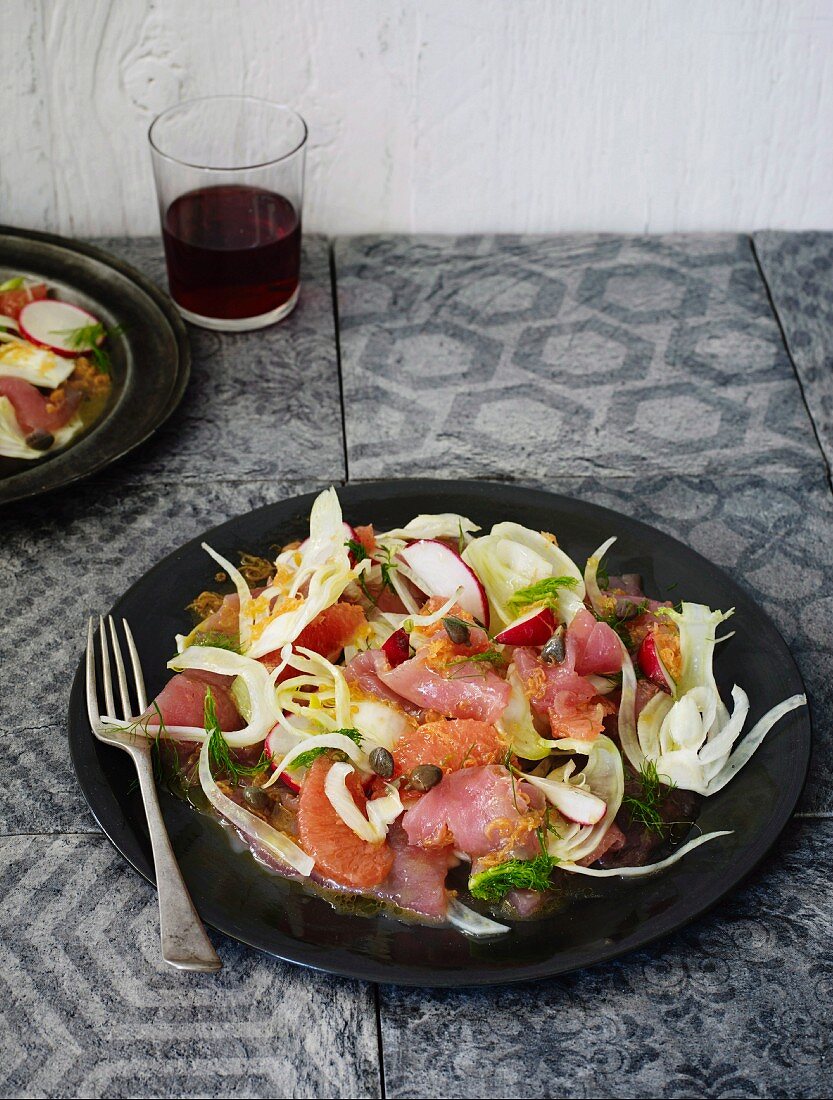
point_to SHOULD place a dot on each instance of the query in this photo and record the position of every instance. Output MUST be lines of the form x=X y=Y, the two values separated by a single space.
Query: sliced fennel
x=648 y=868
x=471 y=922
x=599 y=602
x=516 y=726
x=380 y=722
x=323 y=569
x=381 y=812
x=443 y=525
x=512 y=557
x=690 y=735
x=263 y=705
x=602 y=776
x=274 y=842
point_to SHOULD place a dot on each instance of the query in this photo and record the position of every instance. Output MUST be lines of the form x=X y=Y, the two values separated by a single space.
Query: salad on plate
x=54 y=370
x=448 y=722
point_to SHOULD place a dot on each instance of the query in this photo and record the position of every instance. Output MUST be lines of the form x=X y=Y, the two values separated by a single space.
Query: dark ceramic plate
x=151 y=359
x=233 y=893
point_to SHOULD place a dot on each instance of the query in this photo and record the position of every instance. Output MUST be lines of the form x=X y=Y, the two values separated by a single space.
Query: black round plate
x=151 y=359
x=234 y=893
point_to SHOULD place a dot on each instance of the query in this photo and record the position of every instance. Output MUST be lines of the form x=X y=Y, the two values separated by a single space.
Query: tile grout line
x=337 y=328
x=777 y=316
x=380 y=1046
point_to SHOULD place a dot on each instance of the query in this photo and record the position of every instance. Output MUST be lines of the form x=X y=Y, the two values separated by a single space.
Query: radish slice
x=397 y=648
x=439 y=571
x=574 y=803
x=649 y=662
x=277 y=745
x=534 y=628
x=51 y=324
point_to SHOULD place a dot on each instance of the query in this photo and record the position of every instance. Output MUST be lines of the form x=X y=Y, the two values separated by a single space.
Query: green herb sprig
x=87 y=340
x=219 y=753
x=307 y=758
x=494 y=883
x=545 y=591
x=644 y=809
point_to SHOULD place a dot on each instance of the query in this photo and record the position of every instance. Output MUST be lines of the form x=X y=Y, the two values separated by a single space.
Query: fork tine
x=123 y=689
x=137 y=668
x=109 y=702
x=92 y=690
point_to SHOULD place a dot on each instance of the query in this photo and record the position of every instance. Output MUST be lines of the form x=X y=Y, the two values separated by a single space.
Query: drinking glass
x=230 y=182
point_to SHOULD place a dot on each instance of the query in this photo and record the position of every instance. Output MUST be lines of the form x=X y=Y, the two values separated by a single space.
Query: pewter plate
x=150 y=360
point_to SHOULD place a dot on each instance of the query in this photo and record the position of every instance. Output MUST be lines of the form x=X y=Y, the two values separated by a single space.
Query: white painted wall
x=447 y=115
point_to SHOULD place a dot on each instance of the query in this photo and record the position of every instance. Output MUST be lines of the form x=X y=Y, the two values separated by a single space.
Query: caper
x=425 y=777
x=382 y=762
x=457 y=630
x=256 y=797
x=39 y=440
x=554 y=650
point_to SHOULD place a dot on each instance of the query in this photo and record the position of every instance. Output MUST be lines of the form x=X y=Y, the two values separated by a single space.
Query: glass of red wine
x=230 y=181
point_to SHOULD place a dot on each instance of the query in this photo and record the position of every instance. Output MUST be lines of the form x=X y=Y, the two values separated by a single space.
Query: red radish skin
x=440 y=571
x=46 y=322
x=649 y=662
x=534 y=628
x=397 y=648
x=271 y=752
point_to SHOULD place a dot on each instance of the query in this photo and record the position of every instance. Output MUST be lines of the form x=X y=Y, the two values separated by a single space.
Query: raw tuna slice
x=593 y=648
x=475 y=810
x=30 y=406
x=366 y=671
x=181 y=701
x=567 y=700
x=613 y=841
x=417 y=877
x=467 y=693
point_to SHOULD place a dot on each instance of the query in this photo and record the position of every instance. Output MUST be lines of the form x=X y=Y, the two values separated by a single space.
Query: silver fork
x=185 y=944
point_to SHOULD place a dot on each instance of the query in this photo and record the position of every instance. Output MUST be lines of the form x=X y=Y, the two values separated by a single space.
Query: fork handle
x=185 y=944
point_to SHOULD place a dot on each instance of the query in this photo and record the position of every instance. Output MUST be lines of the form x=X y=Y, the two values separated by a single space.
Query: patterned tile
x=259 y=404
x=537 y=356
x=64 y=558
x=798 y=268
x=735 y=1005
x=90 y=1009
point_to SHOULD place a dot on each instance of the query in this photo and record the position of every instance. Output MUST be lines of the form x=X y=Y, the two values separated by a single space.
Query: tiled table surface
x=687 y=379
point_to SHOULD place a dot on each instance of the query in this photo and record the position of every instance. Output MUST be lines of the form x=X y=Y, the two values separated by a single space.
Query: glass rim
x=237 y=167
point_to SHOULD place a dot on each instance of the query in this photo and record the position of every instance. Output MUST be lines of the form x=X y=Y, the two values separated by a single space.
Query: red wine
x=232 y=251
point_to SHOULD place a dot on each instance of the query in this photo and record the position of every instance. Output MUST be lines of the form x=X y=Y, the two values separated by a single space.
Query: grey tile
x=90 y=1009
x=773 y=533
x=798 y=268
x=735 y=1005
x=259 y=404
x=532 y=356
x=65 y=557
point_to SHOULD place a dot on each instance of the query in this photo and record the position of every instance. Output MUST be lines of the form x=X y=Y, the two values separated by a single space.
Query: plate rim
x=169 y=314
x=367 y=968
